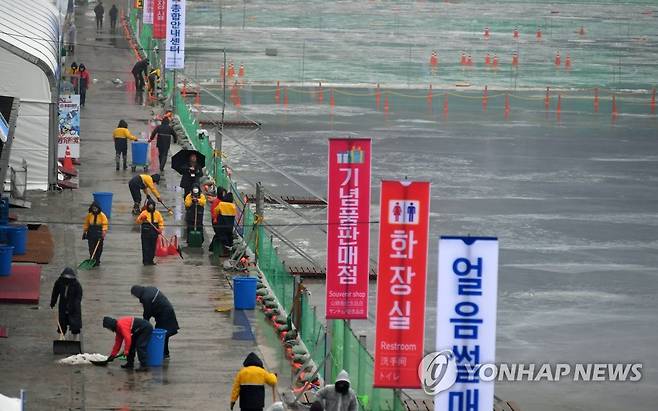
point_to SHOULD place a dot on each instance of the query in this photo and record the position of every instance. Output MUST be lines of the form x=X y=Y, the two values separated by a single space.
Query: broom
x=91 y=262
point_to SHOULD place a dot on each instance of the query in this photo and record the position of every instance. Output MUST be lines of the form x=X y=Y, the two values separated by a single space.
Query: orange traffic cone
x=507 y=106
x=277 y=93
x=538 y=35
x=652 y=105
x=434 y=59
x=558 y=111
x=67 y=164
x=515 y=60
x=547 y=99
x=596 y=100
x=558 y=60
x=469 y=61
x=231 y=70
x=241 y=71
x=495 y=62
x=462 y=60
x=378 y=97
x=285 y=97
x=567 y=62
x=487 y=60
x=485 y=98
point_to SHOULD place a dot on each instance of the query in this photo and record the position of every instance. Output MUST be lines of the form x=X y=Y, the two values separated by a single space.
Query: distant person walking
x=114 y=14
x=121 y=135
x=68 y=291
x=71 y=35
x=164 y=134
x=99 y=11
x=140 y=70
x=84 y=83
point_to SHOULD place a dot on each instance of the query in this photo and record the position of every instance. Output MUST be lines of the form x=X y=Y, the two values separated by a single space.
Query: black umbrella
x=181 y=160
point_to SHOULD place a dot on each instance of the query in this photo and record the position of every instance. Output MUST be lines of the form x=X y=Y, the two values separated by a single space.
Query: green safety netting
x=346 y=351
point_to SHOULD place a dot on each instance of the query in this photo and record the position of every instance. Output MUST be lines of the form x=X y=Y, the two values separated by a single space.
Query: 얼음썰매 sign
x=401 y=279
x=348 y=228
x=466 y=318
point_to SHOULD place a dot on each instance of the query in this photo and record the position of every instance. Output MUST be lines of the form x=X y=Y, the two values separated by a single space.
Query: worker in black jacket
x=140 y=70
x=164 y=133
x=156 y=304
x=68 y=291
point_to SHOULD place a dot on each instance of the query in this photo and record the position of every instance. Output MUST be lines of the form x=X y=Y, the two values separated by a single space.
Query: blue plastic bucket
x=104 y=200
x=139 y=150
x=155 y=348
x=17 y=237
x=6 y=252
x=4 y=234
x=244 y=293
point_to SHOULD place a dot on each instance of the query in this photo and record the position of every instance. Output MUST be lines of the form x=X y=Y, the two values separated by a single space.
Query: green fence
x=346 y=351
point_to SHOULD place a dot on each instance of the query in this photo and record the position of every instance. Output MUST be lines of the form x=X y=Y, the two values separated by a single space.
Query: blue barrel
x=4 y=234
x=244 y=293
x=155 y=348
x=17 y=237
x=104 y=200
x=6 y=252
x=139 y=150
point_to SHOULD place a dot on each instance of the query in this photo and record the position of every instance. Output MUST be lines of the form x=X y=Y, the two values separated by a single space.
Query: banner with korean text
x=148 y=12
x=466 y=318
x=175 y=44
x=348 y=228
x=159 y=19
x=401 y=278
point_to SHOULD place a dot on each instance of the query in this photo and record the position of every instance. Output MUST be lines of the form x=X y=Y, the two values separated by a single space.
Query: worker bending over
x=134 y=334
x=146 y=183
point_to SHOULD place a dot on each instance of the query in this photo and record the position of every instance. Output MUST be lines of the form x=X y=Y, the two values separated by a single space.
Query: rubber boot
x=136 y=209
x=117 y=164
x=125 y=166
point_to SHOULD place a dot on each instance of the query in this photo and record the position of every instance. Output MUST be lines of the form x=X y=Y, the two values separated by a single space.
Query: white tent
x=29 y=69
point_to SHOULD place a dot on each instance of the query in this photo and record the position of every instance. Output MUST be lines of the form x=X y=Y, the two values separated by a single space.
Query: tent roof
x=30 y=29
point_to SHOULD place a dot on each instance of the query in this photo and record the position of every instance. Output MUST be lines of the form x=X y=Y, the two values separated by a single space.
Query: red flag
x=348 y=230
x=159 y=19
x=403 y=242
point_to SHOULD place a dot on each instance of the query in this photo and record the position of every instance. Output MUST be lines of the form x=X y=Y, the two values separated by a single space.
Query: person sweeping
x=121 y=135
x=195 y=202
x=152 y=225
x=94 y=230
x=134 y=334
x=68 y=291
x=146 y=183
x=157 y=305
x=249 y=384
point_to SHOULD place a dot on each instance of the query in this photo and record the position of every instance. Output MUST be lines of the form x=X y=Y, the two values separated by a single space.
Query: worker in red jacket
x=134 y=333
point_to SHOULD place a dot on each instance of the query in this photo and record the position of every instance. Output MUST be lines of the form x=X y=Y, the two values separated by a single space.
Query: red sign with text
x=159 y=19
x=403 y=243
x=348 y=228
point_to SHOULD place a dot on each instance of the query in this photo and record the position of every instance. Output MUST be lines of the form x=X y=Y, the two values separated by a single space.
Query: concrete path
x=210 y=347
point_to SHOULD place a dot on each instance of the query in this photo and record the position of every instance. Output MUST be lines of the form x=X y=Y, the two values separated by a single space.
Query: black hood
x=137 y=291
x=68 y=273
x=252 y=360
x=110 y=323
x=150 y=203
x=228 y=197
x=94 y=203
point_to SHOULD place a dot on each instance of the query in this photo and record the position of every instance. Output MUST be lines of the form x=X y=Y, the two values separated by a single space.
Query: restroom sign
x=402 y=211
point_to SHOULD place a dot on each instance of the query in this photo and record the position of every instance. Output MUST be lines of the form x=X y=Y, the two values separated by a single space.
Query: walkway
x=208 y=350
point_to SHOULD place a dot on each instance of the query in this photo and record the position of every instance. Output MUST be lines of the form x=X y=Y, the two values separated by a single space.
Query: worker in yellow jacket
x=224 y=215
x=146 y=183
x=121 y=135
x=195 y=202
x=152 y=226
x=94 y=230
x=249 y=384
